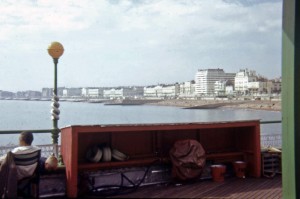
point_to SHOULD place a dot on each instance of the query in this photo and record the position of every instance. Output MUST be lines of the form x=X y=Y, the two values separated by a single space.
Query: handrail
x=18 y=131
x=270 y=122
x=51 y=130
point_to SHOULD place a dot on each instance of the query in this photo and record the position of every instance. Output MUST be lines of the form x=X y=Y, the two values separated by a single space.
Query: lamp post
x=55 y=50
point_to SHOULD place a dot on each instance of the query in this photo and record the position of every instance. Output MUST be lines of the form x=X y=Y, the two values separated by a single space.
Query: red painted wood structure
x=149 y=143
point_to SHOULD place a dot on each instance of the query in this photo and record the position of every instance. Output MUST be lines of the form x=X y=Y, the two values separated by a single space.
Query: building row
x=21 y=94
x=245 y=82
x=207 y=82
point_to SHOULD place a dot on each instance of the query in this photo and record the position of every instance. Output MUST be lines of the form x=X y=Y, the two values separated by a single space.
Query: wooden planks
x=231 y=188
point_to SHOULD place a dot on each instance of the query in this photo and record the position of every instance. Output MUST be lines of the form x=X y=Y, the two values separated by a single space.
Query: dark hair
x=27 y=137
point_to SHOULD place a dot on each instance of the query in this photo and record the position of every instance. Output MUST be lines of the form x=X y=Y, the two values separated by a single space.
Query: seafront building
x=20 y=95
x=187 y=89
x=247 y=82
x=224 y=88
x=123 y=92
x=92 y=92
x=169 y=91
x=48 y=92
x=133 y=92
x=69 y=92
x=242 y=81
x=152 y=91
x=259 y=87
x=113 y=93
x=205 y=80
x=207 y=83
x=29 y=94
x=6 y=94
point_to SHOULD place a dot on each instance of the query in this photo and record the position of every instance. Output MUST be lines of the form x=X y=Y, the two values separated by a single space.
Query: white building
x=223 y=87
x=220 y=87
x=170 y=91
x=133 y=92
x=124 y=92
x=187 y=90
x=113 y=93
x=229 y=90
x=255 y=88
x=242 y=79
x=262 y=87
x=71 y=92
x=153 y=91
x=92 y=92
x=206 y=79
x=162 y=91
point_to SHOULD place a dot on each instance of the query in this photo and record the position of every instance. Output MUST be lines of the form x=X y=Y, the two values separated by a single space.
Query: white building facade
x=205 y=80
x=220 y=87
x=187 y=90
x=113 y=93
x=133 y=92
x=152 y=91
x=242 y=79
x=71 y=92
x=170 y=91
x=162 y=91
x=92 y=92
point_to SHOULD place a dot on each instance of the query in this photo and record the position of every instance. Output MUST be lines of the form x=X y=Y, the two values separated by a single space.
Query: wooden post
x=291 y=99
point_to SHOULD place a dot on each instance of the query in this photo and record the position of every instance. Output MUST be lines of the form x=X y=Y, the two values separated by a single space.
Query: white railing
x=274 y=140
x=47 y=149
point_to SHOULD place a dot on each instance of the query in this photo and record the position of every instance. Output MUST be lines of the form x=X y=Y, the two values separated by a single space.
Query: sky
x=135 y=42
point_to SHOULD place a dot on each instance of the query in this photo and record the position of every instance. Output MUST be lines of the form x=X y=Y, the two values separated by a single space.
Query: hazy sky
x=135 y=42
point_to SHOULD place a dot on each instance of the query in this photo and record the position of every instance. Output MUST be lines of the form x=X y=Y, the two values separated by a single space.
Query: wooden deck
x=231 y=188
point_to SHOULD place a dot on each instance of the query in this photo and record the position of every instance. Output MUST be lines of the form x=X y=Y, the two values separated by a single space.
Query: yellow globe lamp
x=55 y=50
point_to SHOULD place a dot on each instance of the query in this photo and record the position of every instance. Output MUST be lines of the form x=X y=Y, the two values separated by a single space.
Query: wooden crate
x=271 y=163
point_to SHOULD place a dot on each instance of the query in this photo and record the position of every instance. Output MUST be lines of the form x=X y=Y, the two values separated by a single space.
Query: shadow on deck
x=231 y=188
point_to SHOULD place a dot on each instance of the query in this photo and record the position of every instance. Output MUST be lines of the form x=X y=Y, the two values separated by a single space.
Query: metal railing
x=271 y=140
x=47 y=149
x=274 y=139
x=19 y=131
x=267 y=122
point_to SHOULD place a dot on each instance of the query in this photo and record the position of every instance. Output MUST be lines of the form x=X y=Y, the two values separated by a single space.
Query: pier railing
x=274 y=139
x=42 y=135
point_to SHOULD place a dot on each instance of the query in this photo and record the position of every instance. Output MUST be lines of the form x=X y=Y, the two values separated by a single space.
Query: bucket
x=218 y=172
x=240 y=168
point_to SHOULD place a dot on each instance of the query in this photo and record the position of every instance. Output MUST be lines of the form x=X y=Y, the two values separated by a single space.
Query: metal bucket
x=218 y=172
x=240 y=169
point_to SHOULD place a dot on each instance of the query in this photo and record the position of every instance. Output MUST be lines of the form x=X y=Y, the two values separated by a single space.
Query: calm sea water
x=23 y=115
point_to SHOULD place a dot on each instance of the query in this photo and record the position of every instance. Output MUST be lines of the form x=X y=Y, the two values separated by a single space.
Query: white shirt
x=23 y=171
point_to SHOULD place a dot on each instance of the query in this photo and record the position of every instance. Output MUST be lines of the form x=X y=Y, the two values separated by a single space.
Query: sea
x=25 y=115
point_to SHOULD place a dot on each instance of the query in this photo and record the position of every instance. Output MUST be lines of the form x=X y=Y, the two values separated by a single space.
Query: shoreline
x=211 y=104
x=268 y=105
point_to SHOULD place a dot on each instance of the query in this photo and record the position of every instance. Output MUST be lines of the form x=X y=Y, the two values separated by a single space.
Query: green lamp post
x=55 y=50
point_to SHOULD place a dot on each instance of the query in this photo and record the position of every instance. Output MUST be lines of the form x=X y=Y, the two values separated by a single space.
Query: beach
x=209 y=104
